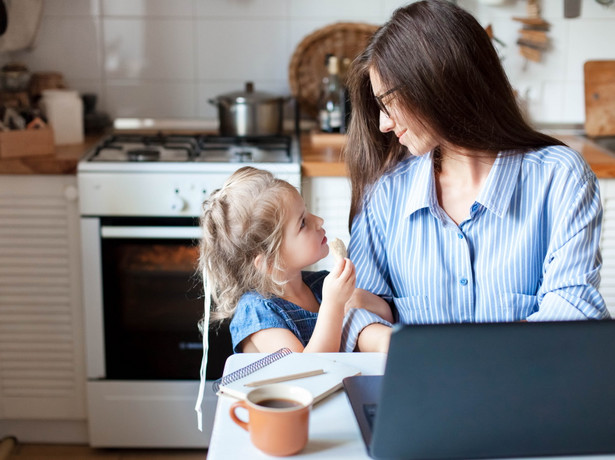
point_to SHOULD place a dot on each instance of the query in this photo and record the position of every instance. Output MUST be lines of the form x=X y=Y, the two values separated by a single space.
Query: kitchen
x=163 y=60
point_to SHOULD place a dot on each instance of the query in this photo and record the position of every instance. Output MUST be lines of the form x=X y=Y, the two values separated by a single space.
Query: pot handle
x=218 y=102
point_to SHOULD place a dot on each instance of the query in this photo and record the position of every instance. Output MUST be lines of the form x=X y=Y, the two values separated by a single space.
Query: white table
x=334 y=432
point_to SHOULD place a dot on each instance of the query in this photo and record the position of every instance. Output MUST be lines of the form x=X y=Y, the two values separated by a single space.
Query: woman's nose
x=386 y=123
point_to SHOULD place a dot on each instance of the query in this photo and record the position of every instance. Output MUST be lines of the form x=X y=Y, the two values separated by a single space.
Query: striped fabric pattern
x=528 y=250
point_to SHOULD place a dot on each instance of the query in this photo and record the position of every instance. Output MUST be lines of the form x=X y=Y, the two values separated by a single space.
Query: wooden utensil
x=600 y=98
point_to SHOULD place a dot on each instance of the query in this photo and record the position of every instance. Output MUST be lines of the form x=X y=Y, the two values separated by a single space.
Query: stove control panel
x=151 y=194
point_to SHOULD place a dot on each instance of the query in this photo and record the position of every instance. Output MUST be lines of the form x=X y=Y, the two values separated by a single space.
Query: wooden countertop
x=63 y=161
x=322 y=159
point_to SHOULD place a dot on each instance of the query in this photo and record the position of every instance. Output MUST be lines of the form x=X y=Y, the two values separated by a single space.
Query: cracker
x=338 y=248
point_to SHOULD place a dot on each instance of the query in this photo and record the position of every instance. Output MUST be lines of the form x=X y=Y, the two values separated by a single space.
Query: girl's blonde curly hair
x=240 y=221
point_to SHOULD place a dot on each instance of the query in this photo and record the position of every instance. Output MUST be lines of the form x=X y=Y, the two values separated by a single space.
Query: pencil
x=284 y=378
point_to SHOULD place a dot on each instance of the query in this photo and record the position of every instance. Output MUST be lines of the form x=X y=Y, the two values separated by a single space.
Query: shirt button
x=463 y=281
x=460 y=235
x=474 y=207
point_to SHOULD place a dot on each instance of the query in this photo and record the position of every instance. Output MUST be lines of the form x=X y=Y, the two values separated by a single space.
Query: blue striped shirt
x=528 y=250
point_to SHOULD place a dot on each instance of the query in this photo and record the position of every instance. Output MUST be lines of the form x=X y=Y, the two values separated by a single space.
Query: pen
x=284 y=378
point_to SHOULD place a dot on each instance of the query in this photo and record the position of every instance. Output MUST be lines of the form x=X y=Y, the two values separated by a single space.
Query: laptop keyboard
x=370 y=413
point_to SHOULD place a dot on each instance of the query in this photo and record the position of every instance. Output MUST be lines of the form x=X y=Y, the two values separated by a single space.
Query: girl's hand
x=339 y=285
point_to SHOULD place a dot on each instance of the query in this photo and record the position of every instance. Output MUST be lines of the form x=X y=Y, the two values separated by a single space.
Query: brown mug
x=278 y=418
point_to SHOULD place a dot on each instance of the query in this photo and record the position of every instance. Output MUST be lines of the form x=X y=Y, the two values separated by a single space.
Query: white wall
x=166 y=58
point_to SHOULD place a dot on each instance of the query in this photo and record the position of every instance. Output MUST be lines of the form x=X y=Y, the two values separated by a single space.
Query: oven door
x=152 y=300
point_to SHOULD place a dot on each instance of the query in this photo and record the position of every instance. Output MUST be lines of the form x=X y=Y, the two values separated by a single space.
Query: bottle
x=331 y=100
x=64 y=112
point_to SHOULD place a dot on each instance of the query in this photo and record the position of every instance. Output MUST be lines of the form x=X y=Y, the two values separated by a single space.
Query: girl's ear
x=258 y=262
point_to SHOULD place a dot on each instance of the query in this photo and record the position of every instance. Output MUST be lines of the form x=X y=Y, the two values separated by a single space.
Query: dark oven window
x=153 y=300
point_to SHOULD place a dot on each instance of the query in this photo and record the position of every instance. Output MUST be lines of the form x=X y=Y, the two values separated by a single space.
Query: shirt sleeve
x=254 y=313
x=368 y=253
x=354 y=321
x=571 y=274
x=367 y=248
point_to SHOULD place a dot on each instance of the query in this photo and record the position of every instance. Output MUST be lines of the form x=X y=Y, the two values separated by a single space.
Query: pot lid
x=249 y=95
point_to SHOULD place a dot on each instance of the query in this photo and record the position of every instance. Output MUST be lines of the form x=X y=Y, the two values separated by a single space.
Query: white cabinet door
x=329 y=198
x=607 y=243
x=42 y=372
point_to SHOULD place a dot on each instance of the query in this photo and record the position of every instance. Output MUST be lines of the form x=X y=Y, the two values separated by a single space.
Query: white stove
x=171 y=175
x=140 y=197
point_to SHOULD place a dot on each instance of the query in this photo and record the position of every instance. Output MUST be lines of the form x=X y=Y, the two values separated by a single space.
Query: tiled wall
x=167 y=58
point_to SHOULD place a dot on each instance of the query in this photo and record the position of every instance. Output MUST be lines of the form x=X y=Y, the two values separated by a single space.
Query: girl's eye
x=302 y=223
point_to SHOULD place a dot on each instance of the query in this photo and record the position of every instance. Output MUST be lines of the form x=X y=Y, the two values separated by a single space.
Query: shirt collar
x=501 y=183
x=422 y=190
x=495 y=195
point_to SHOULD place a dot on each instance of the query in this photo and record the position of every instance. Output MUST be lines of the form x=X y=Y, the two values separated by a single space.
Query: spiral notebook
x=284 y=363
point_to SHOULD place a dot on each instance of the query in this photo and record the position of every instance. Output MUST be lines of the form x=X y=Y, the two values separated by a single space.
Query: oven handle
x=150 y=232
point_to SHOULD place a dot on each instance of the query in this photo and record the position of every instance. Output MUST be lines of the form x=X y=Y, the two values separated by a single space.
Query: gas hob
x=170 y=175
x=160 y=153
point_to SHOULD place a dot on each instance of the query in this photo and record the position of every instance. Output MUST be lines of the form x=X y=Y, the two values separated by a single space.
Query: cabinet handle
x=71 y=193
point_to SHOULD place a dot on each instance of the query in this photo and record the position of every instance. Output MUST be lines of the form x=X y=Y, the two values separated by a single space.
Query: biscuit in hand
x=338 y=248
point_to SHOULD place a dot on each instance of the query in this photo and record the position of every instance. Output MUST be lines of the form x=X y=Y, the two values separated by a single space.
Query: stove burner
x=143 y=155
x=242 y=153
x=171 y=148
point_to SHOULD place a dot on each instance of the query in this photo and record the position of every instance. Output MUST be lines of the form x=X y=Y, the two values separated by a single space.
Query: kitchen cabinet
x=42 y=369
x=607 y=243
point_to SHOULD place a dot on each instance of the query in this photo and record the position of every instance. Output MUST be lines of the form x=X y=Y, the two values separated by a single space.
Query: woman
x=461 y=212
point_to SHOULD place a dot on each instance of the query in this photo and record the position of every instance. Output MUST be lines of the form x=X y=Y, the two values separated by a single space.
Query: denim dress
x=255 y=313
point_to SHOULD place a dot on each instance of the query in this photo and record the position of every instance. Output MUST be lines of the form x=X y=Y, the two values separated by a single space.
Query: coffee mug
x=278 y=418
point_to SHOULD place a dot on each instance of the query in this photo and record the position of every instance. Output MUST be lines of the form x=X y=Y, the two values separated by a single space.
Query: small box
x=26 y=142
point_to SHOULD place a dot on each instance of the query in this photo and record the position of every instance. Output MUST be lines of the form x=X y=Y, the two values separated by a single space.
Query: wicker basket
x=307 y=65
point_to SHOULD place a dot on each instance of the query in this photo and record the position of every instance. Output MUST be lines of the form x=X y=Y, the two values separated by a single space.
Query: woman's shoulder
x=403 y=172
x=560 y=157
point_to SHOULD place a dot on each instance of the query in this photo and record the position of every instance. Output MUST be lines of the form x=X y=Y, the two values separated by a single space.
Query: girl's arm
x=337 y=288
x=270 y=340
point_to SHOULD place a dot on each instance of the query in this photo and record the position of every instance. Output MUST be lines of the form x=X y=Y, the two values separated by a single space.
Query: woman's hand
x=339 y=285
x=361 y=298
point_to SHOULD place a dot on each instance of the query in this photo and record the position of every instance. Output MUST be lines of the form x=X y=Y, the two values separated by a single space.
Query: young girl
x=257 y=238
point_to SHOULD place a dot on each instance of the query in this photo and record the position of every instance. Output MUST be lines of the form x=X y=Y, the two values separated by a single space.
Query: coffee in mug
x=278 y=418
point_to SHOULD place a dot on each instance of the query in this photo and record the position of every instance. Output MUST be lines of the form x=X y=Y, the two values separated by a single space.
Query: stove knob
x=178 y=204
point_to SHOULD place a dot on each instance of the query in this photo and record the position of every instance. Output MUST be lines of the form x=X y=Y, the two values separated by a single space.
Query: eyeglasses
x=381 y=106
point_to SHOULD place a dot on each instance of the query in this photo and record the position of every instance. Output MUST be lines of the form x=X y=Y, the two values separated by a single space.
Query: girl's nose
x=386 y=123
x=319 y=221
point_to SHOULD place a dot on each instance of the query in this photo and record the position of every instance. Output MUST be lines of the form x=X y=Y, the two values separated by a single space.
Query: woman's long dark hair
x=449 y=77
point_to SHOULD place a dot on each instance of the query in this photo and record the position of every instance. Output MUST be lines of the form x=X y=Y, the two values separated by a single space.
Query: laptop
x=490 y=390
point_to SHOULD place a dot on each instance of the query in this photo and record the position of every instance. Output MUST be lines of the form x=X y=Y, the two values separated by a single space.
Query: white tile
x=338 y=10
x=590 y=39
x=574 y=109
x=149 y=48
x=242 y=8
x=593 y=10
x=65 y=45
x=150 y=99
x=553 y=62
x=259 y=52
x=148 y=8
x=71 y=8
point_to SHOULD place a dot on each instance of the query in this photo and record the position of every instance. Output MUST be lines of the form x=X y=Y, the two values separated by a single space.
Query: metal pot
x=249 y=113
